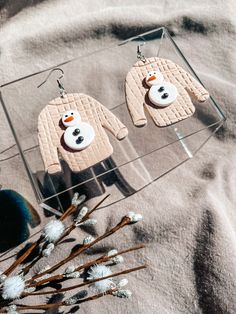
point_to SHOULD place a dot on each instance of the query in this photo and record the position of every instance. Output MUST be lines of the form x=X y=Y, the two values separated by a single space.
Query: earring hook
x=140 y=55
x=61 y=88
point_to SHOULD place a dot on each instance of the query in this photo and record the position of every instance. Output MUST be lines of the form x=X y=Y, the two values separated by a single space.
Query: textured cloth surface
x=189 y=215
x=181 y=108
x=50 y=132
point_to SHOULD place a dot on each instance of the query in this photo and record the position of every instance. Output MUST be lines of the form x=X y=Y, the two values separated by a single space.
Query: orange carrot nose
x=69 y=119
x=151 y=78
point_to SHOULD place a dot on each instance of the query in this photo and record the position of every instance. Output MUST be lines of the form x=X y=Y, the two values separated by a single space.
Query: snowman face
x=163 y=95
x=154 y=78
x=70 y=118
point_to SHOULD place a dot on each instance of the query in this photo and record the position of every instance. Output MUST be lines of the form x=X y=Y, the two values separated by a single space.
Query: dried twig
x=34 y=245
x=68 y=212
x=63 y=303
x=102 y=259
x=124 y=221
x=23 y=256
x=87 y=282
x=18 y=286
x=73 y=225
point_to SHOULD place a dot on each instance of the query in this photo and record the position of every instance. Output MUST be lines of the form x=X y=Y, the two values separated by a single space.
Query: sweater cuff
x=140 y=122
x=122 y=133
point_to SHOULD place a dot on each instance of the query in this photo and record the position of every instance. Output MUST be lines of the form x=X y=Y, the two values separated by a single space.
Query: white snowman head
x=78 y=135
x=71 y=118
x=154 y=78
x=161 y=92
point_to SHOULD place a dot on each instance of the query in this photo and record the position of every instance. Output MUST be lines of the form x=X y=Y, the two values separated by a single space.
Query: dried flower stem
x=34 y=245
x=63 y=303
x=68 y=212
x=124 y=221
x=73 y=225
x=23 y=256
x=97 y=261
x=87 y=282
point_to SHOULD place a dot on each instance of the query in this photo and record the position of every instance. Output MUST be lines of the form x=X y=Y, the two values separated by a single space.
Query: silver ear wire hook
x=61 y=87
x=140 y=55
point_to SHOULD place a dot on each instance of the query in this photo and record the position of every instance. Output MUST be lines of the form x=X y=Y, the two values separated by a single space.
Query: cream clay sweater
x=51 y=130
x=138 y=102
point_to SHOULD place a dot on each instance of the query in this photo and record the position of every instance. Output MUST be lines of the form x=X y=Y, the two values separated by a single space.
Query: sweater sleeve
x=135 y=91
x=48 y=150
x=192 y=85
x=110 y=122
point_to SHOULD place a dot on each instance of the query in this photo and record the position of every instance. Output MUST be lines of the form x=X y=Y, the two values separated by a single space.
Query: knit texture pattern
x=51 y=130
x=181 y=108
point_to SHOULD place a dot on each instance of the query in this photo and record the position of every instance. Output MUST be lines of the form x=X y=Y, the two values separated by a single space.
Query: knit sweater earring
x=162 y=88
x=74 y=125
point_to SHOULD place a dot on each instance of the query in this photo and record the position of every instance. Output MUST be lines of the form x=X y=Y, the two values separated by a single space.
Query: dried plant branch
x=68 y=212
x=74 y=224
x=87 y=282
x=63 y=303
x=102 y=259
x=124 y=221
x=21 y=259
x=17 y=286
x=34 y=245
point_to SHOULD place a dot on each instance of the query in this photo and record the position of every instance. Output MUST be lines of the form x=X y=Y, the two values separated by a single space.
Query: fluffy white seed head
x=70 y=269
x=88 y=239
x=42 y=270
x=75 y=298
x=112 y=252
x=100 y=271
x=71 y=301
x=13 y=287
x=117 y=259
x=77 y=200
x=50 y=247
x=53 y=230
x=12 y=309
x=134 y=217
x=46 y=252
x=3 y=278
x=74 y=199
x=122 y=283
x=83 y=211
x=123 y=294
x=75 y=274
x=30 y=289
x=89 y=222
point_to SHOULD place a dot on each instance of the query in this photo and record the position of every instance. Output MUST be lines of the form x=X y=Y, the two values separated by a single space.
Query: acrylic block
x=144 y=156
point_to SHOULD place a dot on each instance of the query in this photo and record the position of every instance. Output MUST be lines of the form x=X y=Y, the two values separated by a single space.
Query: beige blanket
x=189 y=215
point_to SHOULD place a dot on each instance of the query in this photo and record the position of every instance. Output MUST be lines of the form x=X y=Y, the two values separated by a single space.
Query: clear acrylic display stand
x=144 y=156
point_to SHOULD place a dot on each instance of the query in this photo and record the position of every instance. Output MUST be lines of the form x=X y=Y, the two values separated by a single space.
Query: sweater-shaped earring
x=163 y=88
x=74 y=125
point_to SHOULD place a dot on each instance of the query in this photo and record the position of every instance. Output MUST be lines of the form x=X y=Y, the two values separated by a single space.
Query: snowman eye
x=66 y=115
x=150 y=74
x=72 y=113
x=154 y=72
